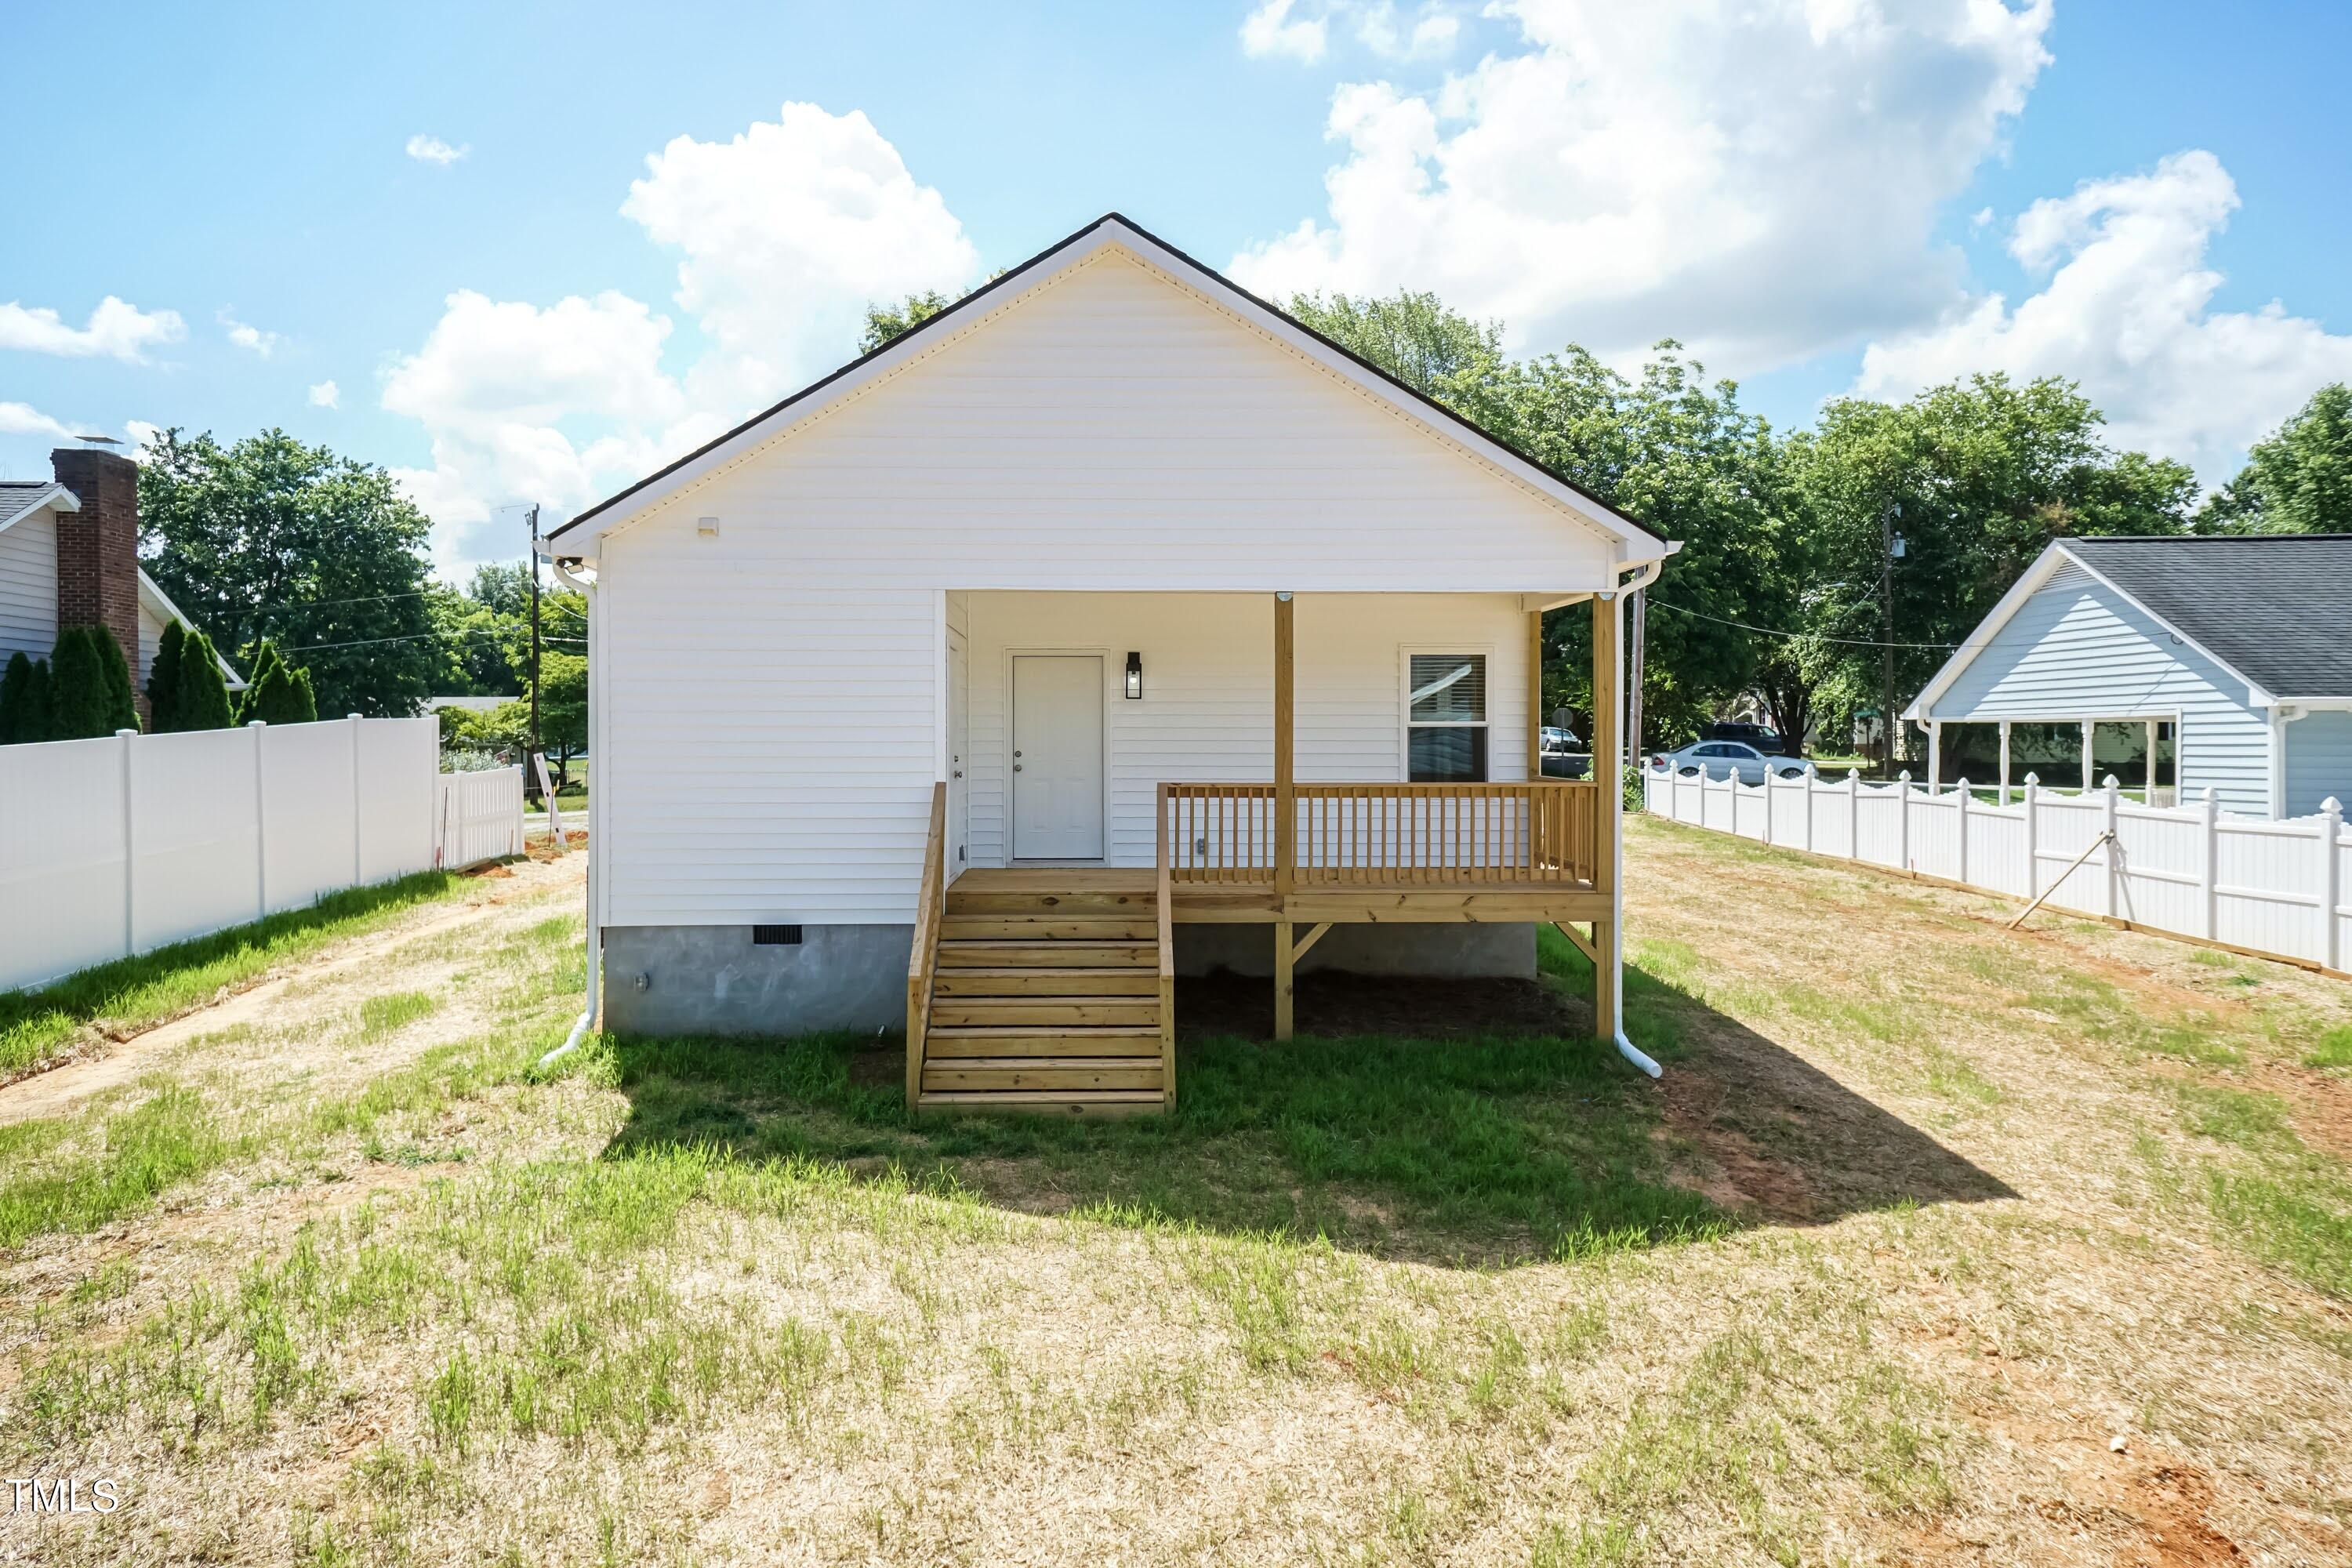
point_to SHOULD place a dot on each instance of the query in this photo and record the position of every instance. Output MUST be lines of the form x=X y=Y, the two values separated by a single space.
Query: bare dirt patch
x=61 y=1088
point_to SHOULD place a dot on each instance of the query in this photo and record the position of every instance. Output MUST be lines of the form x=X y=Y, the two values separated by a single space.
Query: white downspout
x=586 y=588
x=1643 y=577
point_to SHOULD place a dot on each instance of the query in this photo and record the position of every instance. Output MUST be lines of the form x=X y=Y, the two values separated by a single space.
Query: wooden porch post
x=1535 y=694
x=1285 y=814
x=1607 y=701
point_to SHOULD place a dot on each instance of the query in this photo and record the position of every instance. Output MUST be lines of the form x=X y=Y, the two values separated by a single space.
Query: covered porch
x=1046 y=985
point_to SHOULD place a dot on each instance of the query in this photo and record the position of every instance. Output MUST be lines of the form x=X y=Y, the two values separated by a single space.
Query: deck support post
x=1284 y=966
x=1607 y=703
x=2004 y=761
x=1285 y=806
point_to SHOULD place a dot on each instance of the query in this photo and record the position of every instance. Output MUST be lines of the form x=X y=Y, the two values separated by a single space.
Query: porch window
x=1445 y=718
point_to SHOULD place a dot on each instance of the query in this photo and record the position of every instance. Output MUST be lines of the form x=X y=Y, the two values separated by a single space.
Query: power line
x=419 y=636
x=1817 y=637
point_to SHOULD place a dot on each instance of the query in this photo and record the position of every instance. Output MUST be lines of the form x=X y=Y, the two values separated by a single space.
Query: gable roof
x=1112 y=229
x=20 y=498
x=2275 y=608
x=2272 y=609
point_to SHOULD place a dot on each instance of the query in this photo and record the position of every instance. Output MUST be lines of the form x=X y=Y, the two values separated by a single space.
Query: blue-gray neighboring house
x=2237 y=649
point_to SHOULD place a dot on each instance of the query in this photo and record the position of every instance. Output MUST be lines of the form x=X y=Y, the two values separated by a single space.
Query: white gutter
x=1643 y=575
x=586 y=587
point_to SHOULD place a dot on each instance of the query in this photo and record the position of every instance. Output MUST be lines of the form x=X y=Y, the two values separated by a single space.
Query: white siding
x=768 y=750
x=28 y=587
x=1207 y=710
x=1114 y=431
x=2319 y=764
x=767 y=739
x=2076 y=649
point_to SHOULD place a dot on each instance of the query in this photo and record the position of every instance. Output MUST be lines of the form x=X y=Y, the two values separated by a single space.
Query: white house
x=2232 y=654
x=1108 y=620
x=70 y=556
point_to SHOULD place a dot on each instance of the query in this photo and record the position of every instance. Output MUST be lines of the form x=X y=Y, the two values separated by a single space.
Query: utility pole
x=1889 y=547
x=530 y=770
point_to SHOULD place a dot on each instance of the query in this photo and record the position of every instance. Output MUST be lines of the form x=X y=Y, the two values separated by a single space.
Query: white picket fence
x=113 y=847
x=2276 y=888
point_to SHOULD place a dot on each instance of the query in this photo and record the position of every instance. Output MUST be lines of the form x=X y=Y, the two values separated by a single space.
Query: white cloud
x=2126 y=310
x=116 y=330
x=24 y=419
x=525 y=403
x=785 y=234
x=432 y=150
x=789 y=230
x=1269 y=30
x=326 y=395
x=1762 y=181
x=1301 y=29
x=249 y=337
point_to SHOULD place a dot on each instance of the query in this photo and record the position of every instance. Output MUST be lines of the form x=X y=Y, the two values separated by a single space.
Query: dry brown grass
x=1999 y=1205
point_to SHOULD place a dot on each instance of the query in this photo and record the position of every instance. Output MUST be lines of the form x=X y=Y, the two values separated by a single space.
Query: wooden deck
x=1251 y=900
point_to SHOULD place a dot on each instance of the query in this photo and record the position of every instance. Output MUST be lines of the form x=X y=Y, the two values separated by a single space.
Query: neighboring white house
x=1092 y=580
x=2236 y=649
x=35 y=599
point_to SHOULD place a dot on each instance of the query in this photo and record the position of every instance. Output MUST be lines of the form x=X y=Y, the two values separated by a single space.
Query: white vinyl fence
x=2277 y=888
x=113 y=847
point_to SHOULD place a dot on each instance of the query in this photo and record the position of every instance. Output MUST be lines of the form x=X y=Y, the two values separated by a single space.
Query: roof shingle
x=2275 y=608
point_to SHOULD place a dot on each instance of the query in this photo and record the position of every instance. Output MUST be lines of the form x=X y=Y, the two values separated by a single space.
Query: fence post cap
x=354 y=717
x=2033 y=781
x=126 y=732
x=2212 y=794
x=1905 y=776
x=1854 y=775
x=257 y=723
x=2112 y=784
x=2331 y=806
x=1961 y=783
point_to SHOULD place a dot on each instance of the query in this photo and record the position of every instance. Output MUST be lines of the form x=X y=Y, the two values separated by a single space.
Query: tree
x=2298 y=480
x=24 y=700
x=121 y=698
x=884 y=322
x=81 y=706
x=164 y=680
x=1976 y=477
x=1414 y=337
x=277 y=693
x=200 y=699
x=269 y=536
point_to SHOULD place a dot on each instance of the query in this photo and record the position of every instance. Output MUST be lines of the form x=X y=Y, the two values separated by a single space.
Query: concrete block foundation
x=716 y=980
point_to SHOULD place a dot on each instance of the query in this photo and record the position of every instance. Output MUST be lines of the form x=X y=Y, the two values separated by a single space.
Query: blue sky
x=1820 y=195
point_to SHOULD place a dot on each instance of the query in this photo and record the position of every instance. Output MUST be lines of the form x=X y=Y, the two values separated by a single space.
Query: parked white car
x=1731 y=759
x=1558 y=741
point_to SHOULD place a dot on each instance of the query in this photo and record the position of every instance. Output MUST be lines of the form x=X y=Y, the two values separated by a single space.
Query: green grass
x=2333 y=1049
x=137 y=993
x=165 y=1140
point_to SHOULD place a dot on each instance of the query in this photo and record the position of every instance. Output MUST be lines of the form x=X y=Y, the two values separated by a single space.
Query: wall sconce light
x=1134 y=677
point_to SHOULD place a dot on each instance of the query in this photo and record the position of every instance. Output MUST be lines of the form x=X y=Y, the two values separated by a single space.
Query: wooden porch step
x=1046 y=982
x=1048 y=928
x=1058 y=1040
x=1043 y=1072
x=947 y=1011
x=1084 y=1102
x=972 y=952
x=1080 y=904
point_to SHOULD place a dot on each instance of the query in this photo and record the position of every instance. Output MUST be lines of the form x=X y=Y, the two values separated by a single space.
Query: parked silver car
x=1731 y=759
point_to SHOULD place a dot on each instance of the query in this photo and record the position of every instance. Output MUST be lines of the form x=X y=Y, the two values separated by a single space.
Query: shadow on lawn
x=1459 y=1122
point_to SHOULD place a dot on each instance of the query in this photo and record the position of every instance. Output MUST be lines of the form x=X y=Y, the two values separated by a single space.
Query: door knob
x=1016 y=767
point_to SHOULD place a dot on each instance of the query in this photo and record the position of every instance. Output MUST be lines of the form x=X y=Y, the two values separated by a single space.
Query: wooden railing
x=1167 y=903
x=922 y=959
x=1355 y=833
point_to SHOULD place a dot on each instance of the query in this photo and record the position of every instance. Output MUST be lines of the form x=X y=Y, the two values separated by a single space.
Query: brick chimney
x=98 y=548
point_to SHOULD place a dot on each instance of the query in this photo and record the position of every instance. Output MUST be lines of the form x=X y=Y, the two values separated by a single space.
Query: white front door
x=957 y=782
x=1057 y=757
